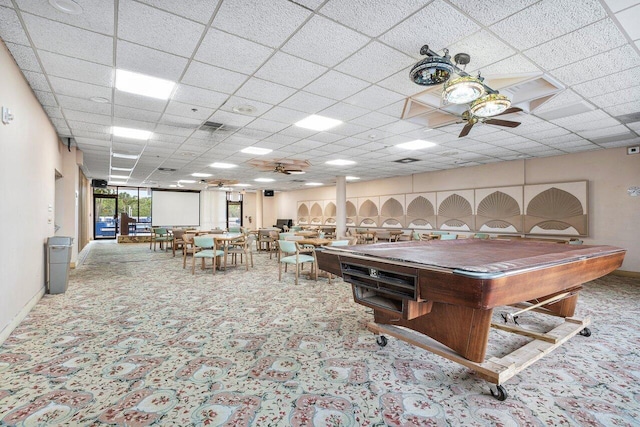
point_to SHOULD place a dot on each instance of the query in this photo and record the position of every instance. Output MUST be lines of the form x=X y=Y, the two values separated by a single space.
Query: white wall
x=613 y=215
x=30 y=153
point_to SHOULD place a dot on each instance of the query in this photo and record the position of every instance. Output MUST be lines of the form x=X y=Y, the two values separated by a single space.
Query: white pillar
x=341 y=206
x=259 y=200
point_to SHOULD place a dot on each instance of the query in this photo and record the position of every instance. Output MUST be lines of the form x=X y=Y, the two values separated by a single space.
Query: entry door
x=234 y=214
x=105 y=217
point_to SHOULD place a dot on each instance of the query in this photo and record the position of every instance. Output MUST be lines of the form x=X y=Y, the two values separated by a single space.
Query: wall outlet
x=633 y=150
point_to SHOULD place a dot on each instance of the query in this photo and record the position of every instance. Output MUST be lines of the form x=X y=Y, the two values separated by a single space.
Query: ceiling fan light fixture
x=431 y=71
x=463 y=90
x=490 y=105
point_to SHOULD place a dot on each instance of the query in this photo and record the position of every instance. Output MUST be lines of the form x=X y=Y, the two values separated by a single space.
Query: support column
x=259 y=199
x=341 y=206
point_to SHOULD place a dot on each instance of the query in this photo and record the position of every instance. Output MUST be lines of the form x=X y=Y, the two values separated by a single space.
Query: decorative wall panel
x=330 y=212
x=557 y=209
x=455 y=210
x=303 y=213
x=316 y=213
x=392 y=211
x=368 y=211
x=499 y=210
x=421 y=212
x=352 y=212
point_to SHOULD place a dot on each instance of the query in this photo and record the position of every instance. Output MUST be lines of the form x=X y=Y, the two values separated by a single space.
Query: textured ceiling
x=347 y=60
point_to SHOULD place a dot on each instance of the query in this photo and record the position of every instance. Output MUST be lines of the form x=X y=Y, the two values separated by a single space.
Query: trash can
x=59 y=259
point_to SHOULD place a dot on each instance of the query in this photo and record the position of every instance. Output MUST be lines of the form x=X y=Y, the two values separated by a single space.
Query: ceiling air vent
x=212 y=126
x=167 y=169
x=407 y=160
x=629 y=118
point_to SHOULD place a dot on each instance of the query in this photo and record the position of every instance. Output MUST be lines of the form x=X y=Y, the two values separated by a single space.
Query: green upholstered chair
x=290 y=254
x=575 y=242
x=340 y=243
x=205 y=248
x=481 y=236
x=448 y=236
x=295 y=228
x=160 y=235
x=235 y=229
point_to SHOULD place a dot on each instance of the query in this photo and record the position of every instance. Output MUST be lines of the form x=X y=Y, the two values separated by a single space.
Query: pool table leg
x=464 y=330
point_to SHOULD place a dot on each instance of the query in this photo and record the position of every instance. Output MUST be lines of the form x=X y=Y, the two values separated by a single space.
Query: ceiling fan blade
x=506 y=123
x=466 y=129
x=509 y=111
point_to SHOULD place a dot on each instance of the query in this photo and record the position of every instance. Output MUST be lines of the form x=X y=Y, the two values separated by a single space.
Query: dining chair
x=575 y=242
x=188 y=247
x=160 y=235
x=290 y=254
x=274 y=237
x=241 y=246
x=448 y=236
x=177 y=242
x=235 y=229
x=481 y=236
x=206 y=249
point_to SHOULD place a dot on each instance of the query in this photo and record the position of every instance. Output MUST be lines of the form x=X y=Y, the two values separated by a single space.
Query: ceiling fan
x=219 y=184
x=484 y=103
x=284 y=166
x=472 y=119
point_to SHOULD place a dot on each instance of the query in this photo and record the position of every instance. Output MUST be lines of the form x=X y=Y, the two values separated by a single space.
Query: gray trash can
x=59 y=259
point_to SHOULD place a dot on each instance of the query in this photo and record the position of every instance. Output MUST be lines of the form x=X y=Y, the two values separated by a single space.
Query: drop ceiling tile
x=370 y=17
x=622 y=96
x=70 y=41
x=154 y=28
x=76 y=69
x=629 y=19
x=267 y=125
x=231 y=119
x=374 y=97
x=603 y=132
x=289 y=71
x=53 y=112
x=78 y=89
x=393 y=110
x=484 y=48
x=622 y=109
x=264 y=91
x=284 y=115
x=82 y=116
x=141 y=59
x=336 y=85
x=231 y=52
x=237 y=102
x=197 y=10
x=490 y=11
x=92 y=141
x=90 y=127
x=348 y=129
x=327 y=137
x=307 y=102
x=560 y=100
x=623 y=143
x=375 y=62
x=137 y=101
x=591 y=40
x=438 y=25
x=269 y=23
x=136 y=113
x=213 y=78
x=37 y=81
x=401 y=83
x=198 y=97
x=24 y=57
x=93 y=135
x=609 y=83
x=373 y=120
x=97 y=15
x=170 y=129
x=513 y=65
x=11 y=29
x=553 y=18
x=344 y=112
x=6 y=3
x=325 y=42
x=297 y=132
x=400 y=127
x=591 y=68
x=618 y=5
x=186 y=110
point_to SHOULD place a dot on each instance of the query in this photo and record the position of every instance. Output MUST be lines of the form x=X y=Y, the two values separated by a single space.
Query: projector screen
x=175 y=208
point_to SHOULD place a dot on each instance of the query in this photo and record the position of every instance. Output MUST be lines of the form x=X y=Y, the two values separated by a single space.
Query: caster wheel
x=586 y=332
x=382 y=341
x=500 y=394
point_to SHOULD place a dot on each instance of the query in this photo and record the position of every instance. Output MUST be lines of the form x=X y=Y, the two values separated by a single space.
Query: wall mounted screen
x=175 y=208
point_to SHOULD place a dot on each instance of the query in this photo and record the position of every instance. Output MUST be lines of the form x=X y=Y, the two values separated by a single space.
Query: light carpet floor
x=136 y=340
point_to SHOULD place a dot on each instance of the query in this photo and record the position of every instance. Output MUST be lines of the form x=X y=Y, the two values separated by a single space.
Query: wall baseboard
x=4 y=334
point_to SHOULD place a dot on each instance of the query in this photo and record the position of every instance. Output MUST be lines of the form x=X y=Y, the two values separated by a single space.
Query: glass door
x=234 y=214
x=105 y=216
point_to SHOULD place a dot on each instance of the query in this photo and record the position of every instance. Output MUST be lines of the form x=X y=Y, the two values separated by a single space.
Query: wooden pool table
x=447 y=290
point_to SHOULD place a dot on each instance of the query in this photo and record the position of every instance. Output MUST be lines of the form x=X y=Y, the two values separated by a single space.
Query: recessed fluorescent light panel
x=119 y=176
x=117 y=182
x=130 y=133
x=113 y=168
x=256 y=150
x=201 y=175
x=241 y=185
x=264 y=179
x=186 y=181
x=340 y=162
x=314 y=184
x=144 y=85
x=418 y=144
x=352 y=178
x=319 y=123
x=126 y=156
x=222 y=165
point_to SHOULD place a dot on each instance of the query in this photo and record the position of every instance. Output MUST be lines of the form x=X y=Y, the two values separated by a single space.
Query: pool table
x=447 y=289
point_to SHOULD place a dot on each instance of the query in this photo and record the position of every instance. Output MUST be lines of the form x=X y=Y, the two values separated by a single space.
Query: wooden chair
x=187 y=247
x=290 y=254
x=178 y=242
x=241 y=246
x=206 y=249
x=160 y=235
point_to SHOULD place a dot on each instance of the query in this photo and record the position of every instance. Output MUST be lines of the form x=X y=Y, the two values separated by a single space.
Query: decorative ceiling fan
x=484 y=102
x=284 y=166
x=219 y=184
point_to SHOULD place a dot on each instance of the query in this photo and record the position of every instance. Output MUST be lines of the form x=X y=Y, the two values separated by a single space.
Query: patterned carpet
x=136 y=340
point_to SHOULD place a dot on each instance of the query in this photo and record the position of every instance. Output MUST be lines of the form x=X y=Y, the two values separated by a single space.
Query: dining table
x=315 y=241
x=222 y=241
